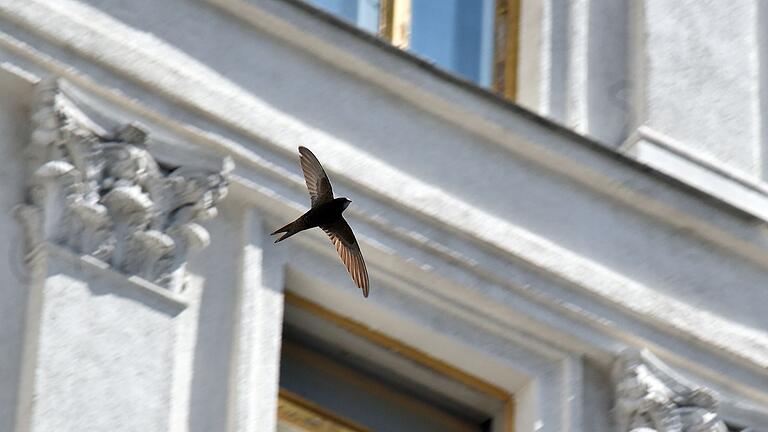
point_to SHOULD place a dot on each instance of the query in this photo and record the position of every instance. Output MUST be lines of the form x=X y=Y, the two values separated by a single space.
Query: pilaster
x=108 y=229
x=258 y=330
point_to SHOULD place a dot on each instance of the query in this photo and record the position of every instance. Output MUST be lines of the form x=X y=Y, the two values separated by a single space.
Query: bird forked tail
x=289 y=230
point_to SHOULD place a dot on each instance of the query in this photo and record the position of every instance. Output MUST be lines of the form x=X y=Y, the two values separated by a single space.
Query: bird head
x=346 y=203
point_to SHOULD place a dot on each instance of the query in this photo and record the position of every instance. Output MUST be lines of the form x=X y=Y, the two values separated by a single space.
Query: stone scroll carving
x=103 y=194
x=650 y=397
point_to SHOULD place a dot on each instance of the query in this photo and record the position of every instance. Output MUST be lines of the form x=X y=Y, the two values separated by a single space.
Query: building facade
x=580 y=246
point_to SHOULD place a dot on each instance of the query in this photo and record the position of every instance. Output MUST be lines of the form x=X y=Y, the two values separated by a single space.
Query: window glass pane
x=455 y=34
x=363 y=13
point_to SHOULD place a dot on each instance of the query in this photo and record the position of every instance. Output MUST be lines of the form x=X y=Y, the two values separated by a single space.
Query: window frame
x=507 y=415
x=395 y=28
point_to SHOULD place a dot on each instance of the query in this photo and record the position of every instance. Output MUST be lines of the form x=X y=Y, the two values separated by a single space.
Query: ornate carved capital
x=650 y=397
x=103 y=193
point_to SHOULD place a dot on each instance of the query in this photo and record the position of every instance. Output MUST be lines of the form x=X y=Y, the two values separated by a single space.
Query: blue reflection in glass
x=362 y=13
x=455 y=34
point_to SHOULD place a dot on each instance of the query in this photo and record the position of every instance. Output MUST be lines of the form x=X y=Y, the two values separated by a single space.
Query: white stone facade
x=603 y=264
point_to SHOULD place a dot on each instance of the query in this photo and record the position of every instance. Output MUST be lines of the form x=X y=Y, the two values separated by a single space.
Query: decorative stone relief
x=103 y=194
x=650 y=397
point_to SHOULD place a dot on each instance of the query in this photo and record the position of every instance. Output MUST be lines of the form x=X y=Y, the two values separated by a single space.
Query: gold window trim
x=395 y=22
x=507 y=416
x=506 y=37
x=310 y=417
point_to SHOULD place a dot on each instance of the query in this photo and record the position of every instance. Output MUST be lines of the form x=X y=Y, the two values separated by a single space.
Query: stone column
x=258 y=332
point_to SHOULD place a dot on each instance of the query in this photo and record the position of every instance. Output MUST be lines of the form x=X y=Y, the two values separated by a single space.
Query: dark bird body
x=326 y=213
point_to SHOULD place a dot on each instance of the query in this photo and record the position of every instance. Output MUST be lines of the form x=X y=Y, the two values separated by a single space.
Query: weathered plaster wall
x=106 y=351
x=13 y=291
x=700 y=77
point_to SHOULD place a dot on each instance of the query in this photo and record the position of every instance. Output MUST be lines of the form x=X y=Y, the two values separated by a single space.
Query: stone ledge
x=100 y=268
x=671 y=157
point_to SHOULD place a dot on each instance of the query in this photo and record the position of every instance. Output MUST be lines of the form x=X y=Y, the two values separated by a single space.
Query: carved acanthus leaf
x=650 y=397
x=104 y=194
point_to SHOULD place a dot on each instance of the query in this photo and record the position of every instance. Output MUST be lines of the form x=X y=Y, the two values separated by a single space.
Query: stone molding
x=651 y=397
x=103 y=193
x=674 y=158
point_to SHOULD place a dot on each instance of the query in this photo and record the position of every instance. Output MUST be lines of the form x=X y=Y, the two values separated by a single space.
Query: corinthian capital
x=103 y=193
x=651 y=397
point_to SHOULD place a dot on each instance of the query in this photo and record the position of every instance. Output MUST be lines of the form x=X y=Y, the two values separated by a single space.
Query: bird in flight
x=326 y=214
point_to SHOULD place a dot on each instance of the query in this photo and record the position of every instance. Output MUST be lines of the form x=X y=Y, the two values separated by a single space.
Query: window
x=455 y=34
x=335 y=375
x=362 y=13
x=475 y=39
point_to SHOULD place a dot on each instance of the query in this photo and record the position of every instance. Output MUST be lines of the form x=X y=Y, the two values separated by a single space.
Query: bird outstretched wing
x=319 y=186
x=346 y=245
